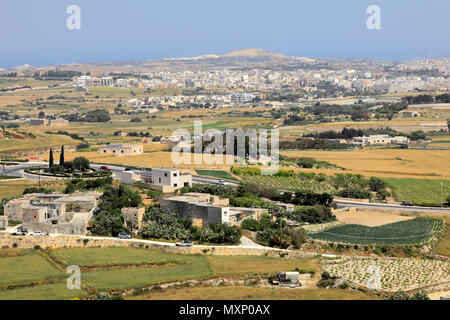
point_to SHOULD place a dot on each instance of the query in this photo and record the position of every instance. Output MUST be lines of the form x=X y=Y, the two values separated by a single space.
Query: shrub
x=298 y=237
x=312 y=214
x=250 y=224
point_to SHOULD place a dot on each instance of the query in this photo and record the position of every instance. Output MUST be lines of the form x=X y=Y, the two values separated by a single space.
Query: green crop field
x=416 y=231
x=26 y=268
x=86 y=257
x=419 y=191
x=195 y=268
x=217 y=174
x=290 y=183
x=57 y=291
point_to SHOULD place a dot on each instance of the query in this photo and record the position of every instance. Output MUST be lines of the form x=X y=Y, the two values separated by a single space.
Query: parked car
x=406 y=203
x=123 y=235
x=184 y=243
x=128 y=169
x=20 y=232
x=37 y=233
x=105 y=168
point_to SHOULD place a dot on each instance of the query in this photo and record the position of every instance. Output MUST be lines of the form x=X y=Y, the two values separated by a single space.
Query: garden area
x=79 y=167
x=216 y=174
x=416 y=231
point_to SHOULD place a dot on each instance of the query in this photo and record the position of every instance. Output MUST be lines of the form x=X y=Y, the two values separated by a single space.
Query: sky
x=35 y=32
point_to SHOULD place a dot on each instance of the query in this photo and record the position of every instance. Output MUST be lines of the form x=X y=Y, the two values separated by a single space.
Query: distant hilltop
x=244 y=58
x=252 y=53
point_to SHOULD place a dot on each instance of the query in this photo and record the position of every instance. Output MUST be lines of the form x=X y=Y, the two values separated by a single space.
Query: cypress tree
x=50 y=159
x=61 y=156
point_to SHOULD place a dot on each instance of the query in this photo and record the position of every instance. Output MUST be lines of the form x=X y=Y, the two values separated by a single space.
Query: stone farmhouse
x=122 y=149
x=380 y=140
x=205 y=209
x=54 y=213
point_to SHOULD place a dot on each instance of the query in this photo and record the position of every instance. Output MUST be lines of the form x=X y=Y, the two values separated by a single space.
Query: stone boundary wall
x=445 y=286
x=66 y=241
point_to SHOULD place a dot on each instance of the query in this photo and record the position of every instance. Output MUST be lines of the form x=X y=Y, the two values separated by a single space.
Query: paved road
x=118 y=170
x=18 y=170
x=387 y=206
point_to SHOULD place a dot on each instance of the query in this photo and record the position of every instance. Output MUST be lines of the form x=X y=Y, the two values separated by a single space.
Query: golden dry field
x=402 y=125
x=249 y=293
x=430 y=164
x=42 y=141
x=159 y=159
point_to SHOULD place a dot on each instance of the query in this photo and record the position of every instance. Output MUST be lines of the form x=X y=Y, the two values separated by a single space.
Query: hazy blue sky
x=35 y=32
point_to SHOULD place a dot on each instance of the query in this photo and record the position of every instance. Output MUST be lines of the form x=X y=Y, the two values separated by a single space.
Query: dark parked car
x=406 y=203
x=128 y=169
x=184 y=243
x=123 y=235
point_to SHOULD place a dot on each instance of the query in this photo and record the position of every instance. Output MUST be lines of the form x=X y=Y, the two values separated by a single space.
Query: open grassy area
x=114 y=256
x=2 y=177
x=250 y=293
x=222 y=265
x=217 y=174
x=15 y=187
x=27 y=268
x=419 y=191
x=195 y=268
x=58 y=291
x=414 y=231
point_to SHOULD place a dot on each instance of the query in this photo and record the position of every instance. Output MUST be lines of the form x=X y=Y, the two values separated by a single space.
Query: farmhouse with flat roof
x=122 y=149
x=205 y=209
x=167 y=180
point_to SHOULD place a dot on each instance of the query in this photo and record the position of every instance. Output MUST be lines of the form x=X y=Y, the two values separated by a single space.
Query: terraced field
x=25 y=268
x=106 y=269
x=416 y=231
x=390 y=274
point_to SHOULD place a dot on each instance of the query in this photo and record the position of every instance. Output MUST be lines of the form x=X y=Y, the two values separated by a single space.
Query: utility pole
x=348 y=187
x=39 y=170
